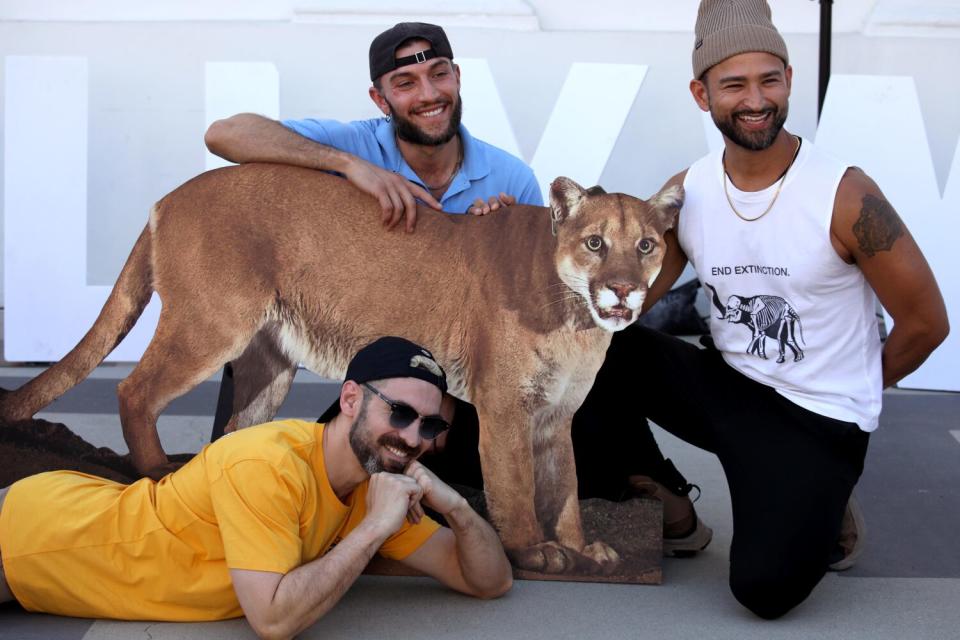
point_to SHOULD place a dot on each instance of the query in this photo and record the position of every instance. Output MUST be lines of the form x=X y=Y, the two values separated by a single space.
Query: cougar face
x=611 y=248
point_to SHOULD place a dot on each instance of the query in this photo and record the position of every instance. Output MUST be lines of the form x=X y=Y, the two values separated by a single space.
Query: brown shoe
x=684 y=534
x=852 y=534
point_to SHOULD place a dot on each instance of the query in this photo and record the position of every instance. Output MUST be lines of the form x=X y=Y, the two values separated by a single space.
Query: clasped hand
x=393 y=497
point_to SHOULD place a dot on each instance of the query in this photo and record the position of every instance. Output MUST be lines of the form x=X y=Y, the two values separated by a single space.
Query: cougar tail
x=129 y=297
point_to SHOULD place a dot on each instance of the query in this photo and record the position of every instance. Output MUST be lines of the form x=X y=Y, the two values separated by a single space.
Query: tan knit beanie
x=728 y=27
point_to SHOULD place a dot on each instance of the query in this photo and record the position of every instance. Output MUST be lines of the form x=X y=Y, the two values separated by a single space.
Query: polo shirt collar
x=475 y=164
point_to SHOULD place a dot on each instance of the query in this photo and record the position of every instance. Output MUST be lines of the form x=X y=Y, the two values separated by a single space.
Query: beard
x=752 y=140
x=365 y=448
x=409 y=132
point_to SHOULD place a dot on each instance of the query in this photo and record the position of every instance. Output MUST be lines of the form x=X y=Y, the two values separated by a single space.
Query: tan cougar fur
x=268 y=265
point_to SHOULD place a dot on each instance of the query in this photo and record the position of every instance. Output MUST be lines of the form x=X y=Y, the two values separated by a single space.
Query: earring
x=387 y=117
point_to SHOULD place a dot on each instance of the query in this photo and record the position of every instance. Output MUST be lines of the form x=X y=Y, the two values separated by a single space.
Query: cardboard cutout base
x=633 y=528
x=35 y=446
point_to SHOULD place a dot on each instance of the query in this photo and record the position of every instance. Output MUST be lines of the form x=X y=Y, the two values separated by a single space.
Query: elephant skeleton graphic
x=765 y=316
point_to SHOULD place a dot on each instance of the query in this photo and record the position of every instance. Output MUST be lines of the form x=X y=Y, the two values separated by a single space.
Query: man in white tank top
x=794 y=249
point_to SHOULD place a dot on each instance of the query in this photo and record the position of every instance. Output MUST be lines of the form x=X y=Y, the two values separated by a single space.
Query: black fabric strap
x=418 y=57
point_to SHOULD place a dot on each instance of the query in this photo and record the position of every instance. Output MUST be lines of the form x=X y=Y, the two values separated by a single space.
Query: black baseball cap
x=390 y=357
x=383 y=49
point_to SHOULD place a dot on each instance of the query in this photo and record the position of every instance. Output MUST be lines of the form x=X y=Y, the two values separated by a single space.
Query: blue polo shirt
x=486 y=170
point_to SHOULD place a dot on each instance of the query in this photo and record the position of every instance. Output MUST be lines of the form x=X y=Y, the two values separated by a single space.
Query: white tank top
x=786 y=311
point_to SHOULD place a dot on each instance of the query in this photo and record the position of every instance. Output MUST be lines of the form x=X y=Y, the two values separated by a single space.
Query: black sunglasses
x=403 y=415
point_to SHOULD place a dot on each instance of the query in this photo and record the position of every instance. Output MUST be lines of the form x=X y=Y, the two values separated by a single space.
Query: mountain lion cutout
x=265 y=266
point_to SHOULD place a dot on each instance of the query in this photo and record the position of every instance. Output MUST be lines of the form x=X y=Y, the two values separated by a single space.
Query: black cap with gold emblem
x=384 y=47
x=391 y=357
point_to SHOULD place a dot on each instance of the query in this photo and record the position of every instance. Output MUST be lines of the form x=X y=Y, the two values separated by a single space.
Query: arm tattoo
x=878 y=226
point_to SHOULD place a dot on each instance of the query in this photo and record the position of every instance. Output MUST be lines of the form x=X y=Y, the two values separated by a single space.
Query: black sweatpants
x=790 y=471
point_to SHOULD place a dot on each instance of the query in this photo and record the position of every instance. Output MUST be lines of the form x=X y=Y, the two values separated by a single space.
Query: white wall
x=147 y=87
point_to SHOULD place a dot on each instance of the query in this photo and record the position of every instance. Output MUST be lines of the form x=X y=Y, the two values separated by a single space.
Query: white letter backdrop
x=49 y=304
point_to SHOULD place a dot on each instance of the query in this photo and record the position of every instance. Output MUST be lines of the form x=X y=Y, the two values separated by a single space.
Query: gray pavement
x=907 y=584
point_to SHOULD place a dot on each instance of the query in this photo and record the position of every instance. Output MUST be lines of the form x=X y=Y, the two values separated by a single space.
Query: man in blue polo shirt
x=419 y=151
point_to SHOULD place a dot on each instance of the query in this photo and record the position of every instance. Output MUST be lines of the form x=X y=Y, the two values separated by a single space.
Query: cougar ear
x=667 y=204
x=566 y=197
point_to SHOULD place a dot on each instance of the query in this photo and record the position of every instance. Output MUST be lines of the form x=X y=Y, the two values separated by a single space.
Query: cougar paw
x=604 y=555
x=546 y=557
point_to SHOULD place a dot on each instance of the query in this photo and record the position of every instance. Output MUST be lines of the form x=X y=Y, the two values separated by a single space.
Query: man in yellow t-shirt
x=274 y=522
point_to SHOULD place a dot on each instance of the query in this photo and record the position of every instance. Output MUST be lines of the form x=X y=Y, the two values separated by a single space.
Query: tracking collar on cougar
x=390 y=357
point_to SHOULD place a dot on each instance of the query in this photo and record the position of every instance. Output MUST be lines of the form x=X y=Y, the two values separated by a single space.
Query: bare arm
x=867 y=231
x=248 y=137
x=282 y=605
x=673 y=262
x=468 y=556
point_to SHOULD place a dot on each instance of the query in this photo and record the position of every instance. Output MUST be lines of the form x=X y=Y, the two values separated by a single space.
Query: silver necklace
x=456 y=168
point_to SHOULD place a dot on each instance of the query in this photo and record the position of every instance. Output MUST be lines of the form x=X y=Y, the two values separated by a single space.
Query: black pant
x=790 y=471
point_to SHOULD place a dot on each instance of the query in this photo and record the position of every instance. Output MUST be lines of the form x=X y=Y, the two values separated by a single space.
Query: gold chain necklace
x=776 y=194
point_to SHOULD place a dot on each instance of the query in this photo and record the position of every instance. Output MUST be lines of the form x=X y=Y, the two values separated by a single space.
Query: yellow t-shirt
x=258 y=499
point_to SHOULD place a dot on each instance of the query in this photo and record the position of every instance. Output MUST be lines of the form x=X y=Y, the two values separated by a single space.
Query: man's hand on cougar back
x=481 y=208
x=397 y=195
